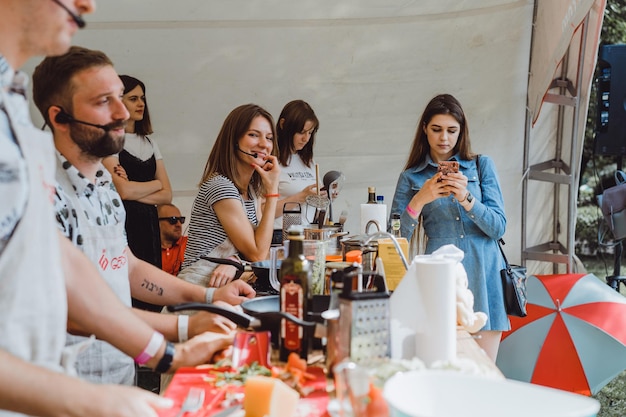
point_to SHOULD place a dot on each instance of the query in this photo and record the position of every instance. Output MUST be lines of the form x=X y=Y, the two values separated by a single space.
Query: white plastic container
x=432 y=393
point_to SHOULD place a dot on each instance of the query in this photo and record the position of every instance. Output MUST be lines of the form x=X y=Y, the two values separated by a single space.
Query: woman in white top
x=140 y=178
x=295 y=130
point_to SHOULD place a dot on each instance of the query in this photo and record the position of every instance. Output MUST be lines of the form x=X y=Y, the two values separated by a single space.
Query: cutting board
x=313 y=405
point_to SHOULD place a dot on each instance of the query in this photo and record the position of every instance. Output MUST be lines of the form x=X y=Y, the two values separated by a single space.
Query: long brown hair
x=223 y=157
x=292 y=119
x=143 y=127
x=441 y=104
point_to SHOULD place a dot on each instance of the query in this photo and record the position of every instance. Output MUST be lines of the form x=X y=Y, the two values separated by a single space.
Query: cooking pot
x=263 y=313
x=369 y=251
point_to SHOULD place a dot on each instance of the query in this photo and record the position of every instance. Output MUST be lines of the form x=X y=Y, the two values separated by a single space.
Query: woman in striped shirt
x=226 y=219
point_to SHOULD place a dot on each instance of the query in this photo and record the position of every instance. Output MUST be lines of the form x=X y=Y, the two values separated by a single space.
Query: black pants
x=148 y=379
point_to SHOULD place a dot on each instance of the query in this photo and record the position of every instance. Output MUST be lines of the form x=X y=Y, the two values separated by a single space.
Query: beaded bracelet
x=151 y=348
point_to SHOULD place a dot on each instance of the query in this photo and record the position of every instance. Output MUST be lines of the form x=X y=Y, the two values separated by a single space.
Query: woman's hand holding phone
x=447 y=167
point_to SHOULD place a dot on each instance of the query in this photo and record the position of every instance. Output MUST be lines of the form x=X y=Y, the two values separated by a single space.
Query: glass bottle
x=395 y=225
x=295 y=294
x=371 y=195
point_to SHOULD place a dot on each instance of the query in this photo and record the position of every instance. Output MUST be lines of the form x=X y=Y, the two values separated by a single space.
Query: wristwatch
x=470 y=197
x=165 y=363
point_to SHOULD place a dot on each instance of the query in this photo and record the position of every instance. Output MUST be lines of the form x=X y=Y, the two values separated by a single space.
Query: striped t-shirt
x=205 y=230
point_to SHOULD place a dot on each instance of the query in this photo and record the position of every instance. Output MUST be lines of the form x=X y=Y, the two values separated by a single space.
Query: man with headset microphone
x=45 y=281
x=89 y=213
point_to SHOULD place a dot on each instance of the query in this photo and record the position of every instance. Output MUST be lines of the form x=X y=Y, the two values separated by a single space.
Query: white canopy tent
x=368 y=68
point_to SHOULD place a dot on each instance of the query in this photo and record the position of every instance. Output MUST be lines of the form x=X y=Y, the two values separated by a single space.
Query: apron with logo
x=107 y=248
x=33 y=300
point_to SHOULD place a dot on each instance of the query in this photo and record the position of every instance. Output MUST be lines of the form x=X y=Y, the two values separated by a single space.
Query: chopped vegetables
x=224 y=375
x=294 y=374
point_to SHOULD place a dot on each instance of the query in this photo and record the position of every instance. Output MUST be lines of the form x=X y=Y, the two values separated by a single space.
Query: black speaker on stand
x=610 y=137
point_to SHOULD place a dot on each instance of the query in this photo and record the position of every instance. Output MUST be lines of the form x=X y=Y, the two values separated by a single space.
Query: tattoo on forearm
x=152 y=287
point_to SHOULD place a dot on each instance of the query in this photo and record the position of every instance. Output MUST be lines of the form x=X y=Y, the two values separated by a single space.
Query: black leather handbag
x=514 y=286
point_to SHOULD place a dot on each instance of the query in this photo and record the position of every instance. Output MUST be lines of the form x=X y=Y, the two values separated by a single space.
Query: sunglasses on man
x=173 y=220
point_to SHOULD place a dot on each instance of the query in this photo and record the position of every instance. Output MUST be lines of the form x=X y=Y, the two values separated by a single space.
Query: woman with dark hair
x=295 y=129
x=140 y=178
x=226 y=221
x=462 y=208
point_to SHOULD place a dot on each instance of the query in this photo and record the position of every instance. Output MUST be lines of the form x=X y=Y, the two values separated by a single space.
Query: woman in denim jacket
x=457 y=208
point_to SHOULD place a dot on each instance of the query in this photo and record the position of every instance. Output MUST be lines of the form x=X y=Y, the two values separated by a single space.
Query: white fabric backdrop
x=368 y=68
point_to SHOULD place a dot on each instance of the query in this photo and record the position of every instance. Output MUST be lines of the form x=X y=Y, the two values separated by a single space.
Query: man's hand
x=203 y=321
x=200 y=349
x=234 y=293
x=123 y=401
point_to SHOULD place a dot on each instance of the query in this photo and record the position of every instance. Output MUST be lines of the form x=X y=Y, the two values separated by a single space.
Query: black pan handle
x=242 y=319
x=224 y=261
x=287 y=316
x=239 y=318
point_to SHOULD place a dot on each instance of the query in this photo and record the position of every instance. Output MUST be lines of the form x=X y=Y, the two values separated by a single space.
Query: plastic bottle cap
x=354 y=256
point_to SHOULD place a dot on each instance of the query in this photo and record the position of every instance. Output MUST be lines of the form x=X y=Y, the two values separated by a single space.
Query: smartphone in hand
x=447 y=167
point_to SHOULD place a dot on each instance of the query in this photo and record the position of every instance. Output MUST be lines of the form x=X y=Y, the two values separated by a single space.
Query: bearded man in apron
x=90 y=212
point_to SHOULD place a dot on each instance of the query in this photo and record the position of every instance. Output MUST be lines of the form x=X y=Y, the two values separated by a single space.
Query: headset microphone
x=254 y=155
x=65 y=118
x=77 y=18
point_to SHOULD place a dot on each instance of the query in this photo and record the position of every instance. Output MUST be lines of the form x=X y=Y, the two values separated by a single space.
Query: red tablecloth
x=313 y=405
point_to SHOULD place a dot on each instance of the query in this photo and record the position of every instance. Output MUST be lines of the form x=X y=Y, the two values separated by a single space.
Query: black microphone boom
x=77 y=18
x=254 y=155
x=103 y=127
x=63 y=117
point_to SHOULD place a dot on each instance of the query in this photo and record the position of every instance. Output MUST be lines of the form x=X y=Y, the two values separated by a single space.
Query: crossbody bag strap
x=480 y=182
x=500 y=241
x=506 y=261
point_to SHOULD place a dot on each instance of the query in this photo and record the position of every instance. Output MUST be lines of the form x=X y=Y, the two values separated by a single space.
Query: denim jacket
x=475 y=232
x=487 y=215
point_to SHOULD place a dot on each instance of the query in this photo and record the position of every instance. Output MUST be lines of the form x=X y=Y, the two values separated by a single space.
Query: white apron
x=33 y=300
x=200 y=272
x=107 y=248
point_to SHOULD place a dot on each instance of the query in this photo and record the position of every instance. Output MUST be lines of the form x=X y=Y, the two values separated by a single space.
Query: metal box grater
x=364 y=322
x=291 y=216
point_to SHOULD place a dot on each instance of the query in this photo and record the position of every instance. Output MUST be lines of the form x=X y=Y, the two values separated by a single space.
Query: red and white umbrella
x=573 y=338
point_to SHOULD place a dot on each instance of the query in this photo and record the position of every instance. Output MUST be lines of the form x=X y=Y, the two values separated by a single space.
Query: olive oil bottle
x=295 y=296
